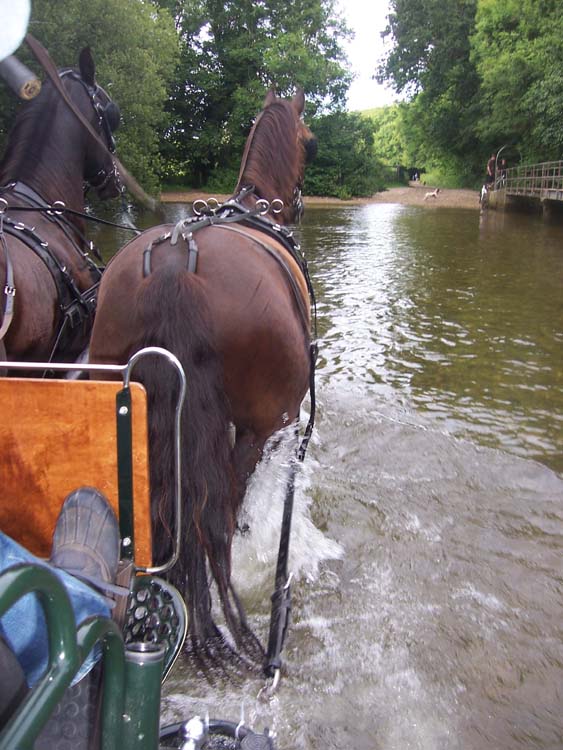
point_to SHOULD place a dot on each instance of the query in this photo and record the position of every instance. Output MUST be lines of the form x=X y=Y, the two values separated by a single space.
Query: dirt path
x=413 y=195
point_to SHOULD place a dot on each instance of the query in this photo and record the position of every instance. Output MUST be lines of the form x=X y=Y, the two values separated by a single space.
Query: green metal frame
x=68 y=649
x=131 y=675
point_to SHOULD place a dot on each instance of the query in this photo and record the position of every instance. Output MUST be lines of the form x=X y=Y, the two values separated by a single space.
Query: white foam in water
x=255 y=552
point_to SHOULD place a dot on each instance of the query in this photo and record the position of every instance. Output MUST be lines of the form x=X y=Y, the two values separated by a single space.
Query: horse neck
x=48 y=158
x=272 y=167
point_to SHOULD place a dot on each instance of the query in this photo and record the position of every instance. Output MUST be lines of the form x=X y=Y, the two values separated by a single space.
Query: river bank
x=411 y=195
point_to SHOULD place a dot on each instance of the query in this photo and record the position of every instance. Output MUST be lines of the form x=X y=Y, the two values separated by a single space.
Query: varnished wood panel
x=58 y=435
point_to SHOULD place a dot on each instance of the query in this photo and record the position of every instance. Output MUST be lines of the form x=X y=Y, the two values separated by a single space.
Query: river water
x=428 y=537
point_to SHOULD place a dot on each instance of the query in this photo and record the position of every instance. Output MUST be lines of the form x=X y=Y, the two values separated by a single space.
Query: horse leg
x=247 y=452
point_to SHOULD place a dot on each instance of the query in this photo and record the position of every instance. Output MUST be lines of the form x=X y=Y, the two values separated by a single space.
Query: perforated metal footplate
x=156 y=613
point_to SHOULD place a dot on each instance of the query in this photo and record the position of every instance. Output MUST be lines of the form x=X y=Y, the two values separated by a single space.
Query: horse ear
x=270 y=98
x=299 y=101
x=87 y=67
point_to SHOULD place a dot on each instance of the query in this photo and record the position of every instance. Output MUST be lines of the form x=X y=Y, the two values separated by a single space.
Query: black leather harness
x=77 y=308
x=225 y=216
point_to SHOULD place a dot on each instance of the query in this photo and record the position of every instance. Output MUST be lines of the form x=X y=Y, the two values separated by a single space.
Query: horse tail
x=173 y=314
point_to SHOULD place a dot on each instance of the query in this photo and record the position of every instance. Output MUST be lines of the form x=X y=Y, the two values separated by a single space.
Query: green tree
x=518 y=53
x=232 y=52
x=345 y=165
x=389 y=143
x=430 y=60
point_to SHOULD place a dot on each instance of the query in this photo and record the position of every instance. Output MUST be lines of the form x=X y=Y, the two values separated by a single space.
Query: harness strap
x=9 y=288
x=68 y=294
x=313 y=353
x=281 y=598
x=235 y=213
x=55 y=213
x=58 y=209
x=63 y=281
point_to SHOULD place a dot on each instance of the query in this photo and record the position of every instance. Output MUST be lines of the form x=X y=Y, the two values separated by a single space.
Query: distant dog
x=432 y=194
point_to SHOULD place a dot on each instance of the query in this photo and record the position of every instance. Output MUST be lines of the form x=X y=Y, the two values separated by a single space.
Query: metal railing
x=543 y=180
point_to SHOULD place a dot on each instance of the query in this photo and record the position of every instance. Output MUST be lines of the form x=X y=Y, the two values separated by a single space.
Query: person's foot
x=85 y=544
x=86 y=536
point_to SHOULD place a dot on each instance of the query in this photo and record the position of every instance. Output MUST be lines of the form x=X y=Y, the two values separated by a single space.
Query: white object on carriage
x=15 y=19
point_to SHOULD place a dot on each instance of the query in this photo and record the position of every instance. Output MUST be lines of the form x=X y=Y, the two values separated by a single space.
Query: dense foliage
x=190 y=76
x=481 y=74
x=345 y=164
x=134 y=48
x=518 y=54
x=232 y=52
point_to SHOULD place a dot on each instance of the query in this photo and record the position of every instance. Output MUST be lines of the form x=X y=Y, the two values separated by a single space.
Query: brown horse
x=50 y=279
x=226 y=295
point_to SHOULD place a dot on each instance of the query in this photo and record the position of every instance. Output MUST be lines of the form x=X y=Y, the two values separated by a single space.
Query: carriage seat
x=57 y=435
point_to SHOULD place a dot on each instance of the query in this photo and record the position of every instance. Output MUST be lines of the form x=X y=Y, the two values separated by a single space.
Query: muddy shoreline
x=411 y=195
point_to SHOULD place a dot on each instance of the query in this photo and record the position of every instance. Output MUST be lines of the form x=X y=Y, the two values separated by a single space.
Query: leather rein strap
x=9 y=287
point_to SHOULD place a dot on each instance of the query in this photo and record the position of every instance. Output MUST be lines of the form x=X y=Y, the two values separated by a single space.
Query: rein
x=58 y=208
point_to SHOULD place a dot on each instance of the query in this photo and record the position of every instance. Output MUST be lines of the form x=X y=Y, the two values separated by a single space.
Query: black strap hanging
x=125 y=472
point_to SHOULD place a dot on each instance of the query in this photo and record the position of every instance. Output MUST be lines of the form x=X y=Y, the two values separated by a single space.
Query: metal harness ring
x=263 y=206
x=58 y=208
x=199 y=206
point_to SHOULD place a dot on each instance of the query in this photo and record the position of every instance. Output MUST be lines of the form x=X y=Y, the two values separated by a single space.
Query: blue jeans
x=24 y=627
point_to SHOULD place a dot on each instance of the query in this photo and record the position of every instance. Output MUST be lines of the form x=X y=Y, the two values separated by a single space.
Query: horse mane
x=275 y=157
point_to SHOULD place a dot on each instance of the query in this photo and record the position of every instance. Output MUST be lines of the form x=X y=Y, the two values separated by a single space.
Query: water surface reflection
x=457 y=317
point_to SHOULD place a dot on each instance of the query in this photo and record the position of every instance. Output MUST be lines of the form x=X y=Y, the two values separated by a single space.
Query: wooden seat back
x=56 y=436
